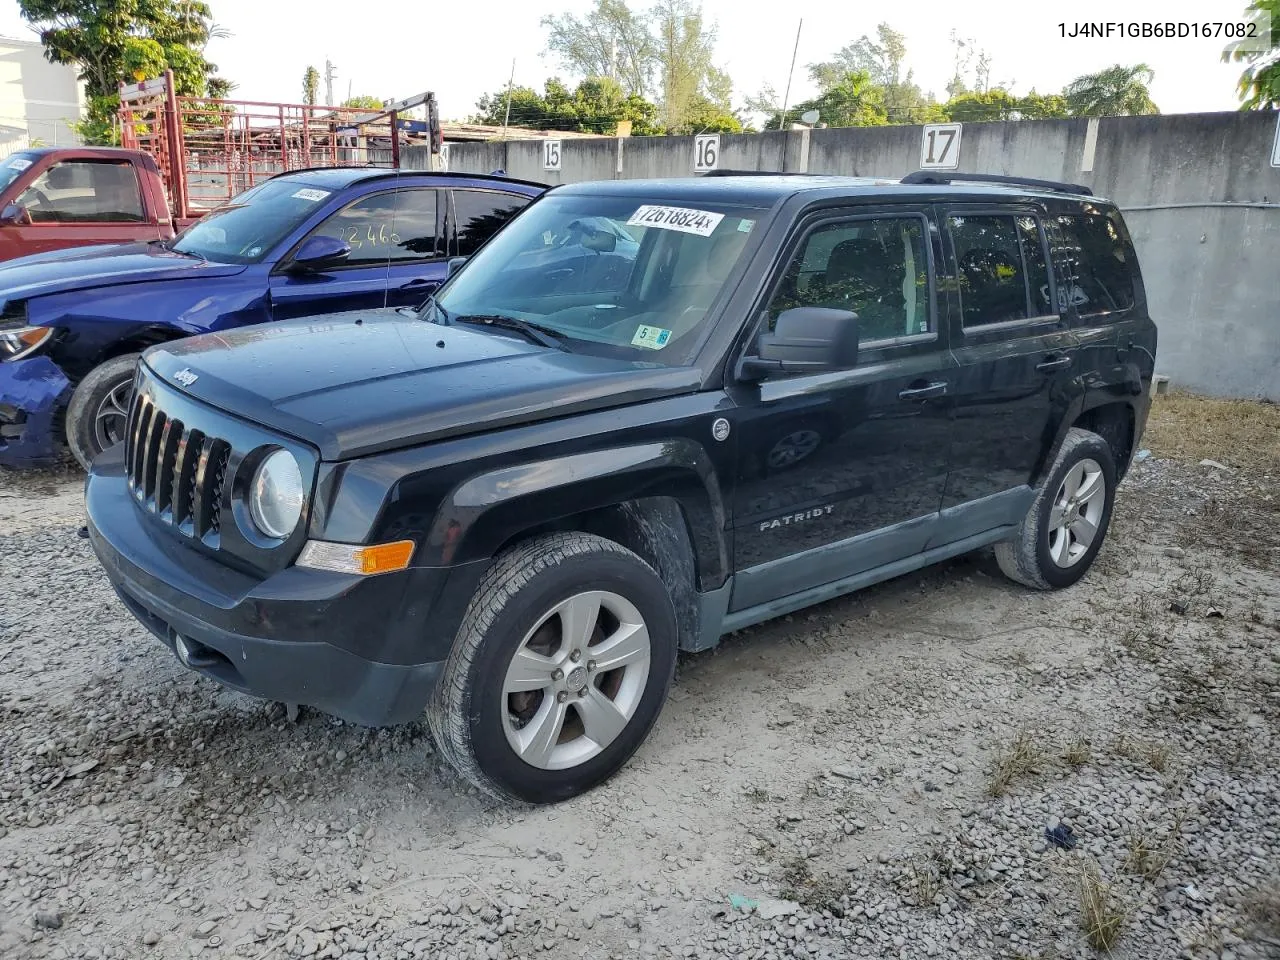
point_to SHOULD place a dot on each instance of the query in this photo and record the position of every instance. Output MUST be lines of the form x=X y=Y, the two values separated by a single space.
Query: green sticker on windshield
x=651 y=338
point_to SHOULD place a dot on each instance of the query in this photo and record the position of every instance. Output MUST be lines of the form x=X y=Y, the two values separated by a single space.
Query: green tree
x=704 y=115
x=852 y=101
x=1117 y=91
x=363 y=102
x=974 y=107
x=610 y=41
x=685 y=47
x=115 y=41
x=883 y=60
x=1260 y=82
x=310 y=86
x=596 y=105
x=1049 y=106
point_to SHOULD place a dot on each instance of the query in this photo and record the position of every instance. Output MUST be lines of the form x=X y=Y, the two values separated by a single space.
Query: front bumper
x=32 y=391
x=366 y=649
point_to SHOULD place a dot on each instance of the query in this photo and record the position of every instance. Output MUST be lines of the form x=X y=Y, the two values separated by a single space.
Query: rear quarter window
x=1099 y=265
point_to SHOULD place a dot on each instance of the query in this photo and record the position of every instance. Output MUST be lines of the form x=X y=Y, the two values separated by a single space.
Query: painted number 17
x=940 y=148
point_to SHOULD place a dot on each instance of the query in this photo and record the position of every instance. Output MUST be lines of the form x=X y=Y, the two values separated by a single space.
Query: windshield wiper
x=532 y=331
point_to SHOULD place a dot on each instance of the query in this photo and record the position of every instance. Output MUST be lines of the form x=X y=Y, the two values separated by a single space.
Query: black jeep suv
x=645 y=414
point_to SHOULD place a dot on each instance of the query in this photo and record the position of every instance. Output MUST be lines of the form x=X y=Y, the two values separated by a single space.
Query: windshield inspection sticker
x=18 y=163
x=306 y=193
x=651 y=338
x=701 y=223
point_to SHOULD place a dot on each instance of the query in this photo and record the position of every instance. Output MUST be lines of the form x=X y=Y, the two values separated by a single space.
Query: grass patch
x=1018 y=758
x=1238 y=433
x=801 y=885
x=1157 y=756
x=1102 y=914
x=1078 y=753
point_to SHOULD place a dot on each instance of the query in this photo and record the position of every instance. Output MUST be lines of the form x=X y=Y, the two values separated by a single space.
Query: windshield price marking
x=307 y=193
x=701 y=223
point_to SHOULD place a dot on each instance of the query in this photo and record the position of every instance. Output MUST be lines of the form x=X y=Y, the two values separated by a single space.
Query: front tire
x=99 y=408
x=559 y=669
x=1061 y=534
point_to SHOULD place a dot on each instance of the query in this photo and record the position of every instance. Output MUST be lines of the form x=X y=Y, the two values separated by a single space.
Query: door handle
x=419 y=283
x=1053 y=363
x=935 y=389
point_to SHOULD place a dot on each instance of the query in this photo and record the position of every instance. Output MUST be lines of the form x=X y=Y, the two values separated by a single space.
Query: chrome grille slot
x=175 y=472
x=184 y=479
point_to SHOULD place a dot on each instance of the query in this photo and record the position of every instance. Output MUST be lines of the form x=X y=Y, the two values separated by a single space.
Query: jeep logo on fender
x=791 y=518
x=186 y=377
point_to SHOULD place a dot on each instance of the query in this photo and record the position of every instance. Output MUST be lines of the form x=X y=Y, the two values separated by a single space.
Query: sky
x=461 y=51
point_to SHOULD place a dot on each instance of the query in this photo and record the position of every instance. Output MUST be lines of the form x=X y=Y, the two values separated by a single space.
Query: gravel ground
x=946 y=765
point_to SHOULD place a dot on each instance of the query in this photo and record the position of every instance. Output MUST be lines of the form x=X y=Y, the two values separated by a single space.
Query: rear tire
x=567 y=605
x=1061 y=534
x=99 y=408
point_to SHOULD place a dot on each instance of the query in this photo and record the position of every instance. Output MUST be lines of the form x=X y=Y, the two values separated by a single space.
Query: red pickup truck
x=184 y=156
x=74 y=196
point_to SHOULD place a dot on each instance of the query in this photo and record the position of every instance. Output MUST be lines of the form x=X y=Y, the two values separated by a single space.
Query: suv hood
x=357 y=383
x=87 y=268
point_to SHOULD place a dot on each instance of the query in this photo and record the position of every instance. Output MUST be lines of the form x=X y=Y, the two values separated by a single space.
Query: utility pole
x=330 y=72
x=786 y=97
x=507 y=119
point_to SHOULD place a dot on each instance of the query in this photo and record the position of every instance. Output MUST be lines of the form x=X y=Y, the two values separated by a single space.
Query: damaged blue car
x=73 y=322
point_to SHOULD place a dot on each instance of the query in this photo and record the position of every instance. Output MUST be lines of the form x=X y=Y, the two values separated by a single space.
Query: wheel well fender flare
x=491 y=509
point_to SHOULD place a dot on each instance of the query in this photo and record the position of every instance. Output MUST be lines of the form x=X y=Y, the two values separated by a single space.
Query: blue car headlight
x=19 y=342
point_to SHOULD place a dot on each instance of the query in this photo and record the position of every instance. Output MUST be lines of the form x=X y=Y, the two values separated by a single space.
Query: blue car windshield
x=627 y=277
x=13 y=167
x=248 y=228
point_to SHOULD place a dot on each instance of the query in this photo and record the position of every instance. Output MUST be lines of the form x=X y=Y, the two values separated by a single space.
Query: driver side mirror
x=319 y=253
x=806 y=340
x=14 y=213
x=454 y=265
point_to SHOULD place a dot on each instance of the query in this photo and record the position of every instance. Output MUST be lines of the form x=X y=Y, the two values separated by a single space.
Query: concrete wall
x=39 y=100
x=1198 y=191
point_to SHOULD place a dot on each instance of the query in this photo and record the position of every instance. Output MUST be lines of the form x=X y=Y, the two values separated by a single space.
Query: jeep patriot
x=509 y=509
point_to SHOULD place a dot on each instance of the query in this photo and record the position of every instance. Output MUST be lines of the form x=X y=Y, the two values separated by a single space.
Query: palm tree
x=1260 y=82
x=1114 y=92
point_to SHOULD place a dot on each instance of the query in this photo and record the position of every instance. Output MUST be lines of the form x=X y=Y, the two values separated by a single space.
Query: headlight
x=275 y=498
x=17 y=343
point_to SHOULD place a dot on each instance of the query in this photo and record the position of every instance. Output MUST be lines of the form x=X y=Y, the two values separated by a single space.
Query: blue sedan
x=72 y=322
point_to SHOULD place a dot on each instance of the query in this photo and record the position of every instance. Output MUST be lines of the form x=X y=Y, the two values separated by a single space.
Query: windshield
x=13 y=166
x=614 y=276
x=246 y=230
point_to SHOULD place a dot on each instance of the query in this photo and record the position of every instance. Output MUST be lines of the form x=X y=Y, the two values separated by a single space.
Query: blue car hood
x=88 y=268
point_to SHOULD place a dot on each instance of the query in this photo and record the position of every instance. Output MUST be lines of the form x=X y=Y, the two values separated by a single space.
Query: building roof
x=479 y=132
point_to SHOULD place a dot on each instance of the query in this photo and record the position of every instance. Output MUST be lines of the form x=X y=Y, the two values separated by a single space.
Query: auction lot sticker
x=701 y=223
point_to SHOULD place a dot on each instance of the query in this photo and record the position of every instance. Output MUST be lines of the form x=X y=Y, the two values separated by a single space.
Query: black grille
x=174 y=472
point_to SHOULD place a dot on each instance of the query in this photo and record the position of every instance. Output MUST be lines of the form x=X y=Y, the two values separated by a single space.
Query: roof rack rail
x=753 y=173
x=931 y=176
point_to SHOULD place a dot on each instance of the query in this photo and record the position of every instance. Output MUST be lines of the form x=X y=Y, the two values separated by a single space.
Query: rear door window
x=479 y=214
x=1001 y=268
x=1098 y=262
x=85 y=191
